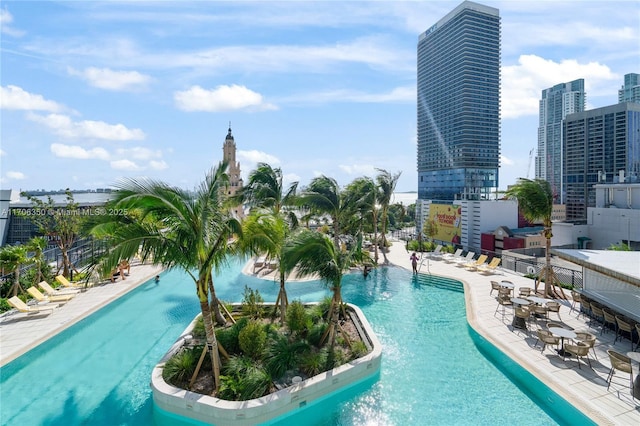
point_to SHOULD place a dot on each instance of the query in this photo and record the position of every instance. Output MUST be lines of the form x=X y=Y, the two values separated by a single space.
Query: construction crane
x=530 y=158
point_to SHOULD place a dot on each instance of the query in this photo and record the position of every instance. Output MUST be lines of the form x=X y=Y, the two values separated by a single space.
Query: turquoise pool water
x=433 y=371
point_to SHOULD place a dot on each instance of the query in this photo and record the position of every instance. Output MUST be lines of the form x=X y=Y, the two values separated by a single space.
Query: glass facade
x=458 y=105
x=601 y=146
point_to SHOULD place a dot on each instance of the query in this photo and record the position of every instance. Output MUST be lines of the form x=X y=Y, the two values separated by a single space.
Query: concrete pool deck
x=584 y=388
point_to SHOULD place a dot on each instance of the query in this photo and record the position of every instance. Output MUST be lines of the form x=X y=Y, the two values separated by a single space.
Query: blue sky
x=96 y=91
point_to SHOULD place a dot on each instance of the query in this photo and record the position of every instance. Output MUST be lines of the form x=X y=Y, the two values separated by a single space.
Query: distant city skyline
x=95 y=91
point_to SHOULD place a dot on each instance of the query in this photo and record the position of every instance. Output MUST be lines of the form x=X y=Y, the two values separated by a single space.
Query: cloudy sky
x=95 y=91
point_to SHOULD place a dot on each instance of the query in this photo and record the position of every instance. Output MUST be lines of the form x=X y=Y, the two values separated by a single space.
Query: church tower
x=235 y=181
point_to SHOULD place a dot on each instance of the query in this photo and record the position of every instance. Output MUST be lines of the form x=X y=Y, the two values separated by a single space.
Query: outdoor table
x=562 y=333
x=635 y=368
x=507 y=284
x=538 y=300
x=517 y=321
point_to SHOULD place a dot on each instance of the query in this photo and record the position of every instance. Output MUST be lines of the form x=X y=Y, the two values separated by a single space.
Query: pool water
x=97 y=372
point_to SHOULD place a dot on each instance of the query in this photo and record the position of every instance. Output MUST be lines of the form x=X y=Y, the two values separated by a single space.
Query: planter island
x=290 y=396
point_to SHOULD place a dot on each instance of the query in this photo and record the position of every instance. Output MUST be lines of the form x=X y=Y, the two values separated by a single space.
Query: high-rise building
x=556 y=103
x=235 y=180
x=630 y=91
x=458 y=152
x=602 y=145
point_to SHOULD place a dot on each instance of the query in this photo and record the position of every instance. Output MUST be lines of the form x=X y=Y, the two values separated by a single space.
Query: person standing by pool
x=414 y=262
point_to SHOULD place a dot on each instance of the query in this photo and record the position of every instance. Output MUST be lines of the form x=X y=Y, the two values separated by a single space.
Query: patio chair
x=65 y=282
x=588 y=339
x=463 y=260
x=638 y=332
x=60 y=298
x=436 y=253
x=504 y=300
x=18 y=304
x=581 y=350
x=540 y=311
x=524 y=291
x=53 y=291
x=609 y=319
x=597 y=314
x=494 y=287
x=490 y=267
x=624 y=327
x=619 y=362
x=554 y=307
x=576 y=299
x=546 y=338
x=524 y=314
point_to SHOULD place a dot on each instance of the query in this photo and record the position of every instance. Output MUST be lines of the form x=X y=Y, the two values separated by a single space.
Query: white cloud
x=6 y=18
x=124 y=164
x=14 y=97
x=78 y=152
x=2 y=153
x=138 y=153
x=398 y=94
x=504 y=161
x=158 y=165
x=64 y=126
x=222 y=98
x=256 y=157
x=522 y=84
x=15 y=175
x=105 y=78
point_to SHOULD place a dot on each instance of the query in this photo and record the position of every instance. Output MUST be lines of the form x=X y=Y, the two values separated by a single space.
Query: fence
x=83 y=253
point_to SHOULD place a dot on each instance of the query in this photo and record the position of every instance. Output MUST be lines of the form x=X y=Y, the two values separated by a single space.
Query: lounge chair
x=468 y=258
x=60 y=298
x=490 y=267
x=436 y=253
x=450 y=258
x=475 y=264
x=50 y=291
x=15 y=302
x=65 y=282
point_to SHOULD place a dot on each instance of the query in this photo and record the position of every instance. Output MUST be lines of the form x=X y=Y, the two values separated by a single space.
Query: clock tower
x=235 y=181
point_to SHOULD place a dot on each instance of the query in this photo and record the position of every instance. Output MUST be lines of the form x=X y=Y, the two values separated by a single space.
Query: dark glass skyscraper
x=459 y=105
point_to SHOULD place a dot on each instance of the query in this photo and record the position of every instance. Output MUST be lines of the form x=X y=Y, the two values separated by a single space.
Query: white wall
x=611 y=225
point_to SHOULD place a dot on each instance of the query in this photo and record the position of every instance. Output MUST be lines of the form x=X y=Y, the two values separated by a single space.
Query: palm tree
x=265 y=192
x=12 y=258
x=314 y=253
x=267 y=233
x=386 y=185
x=363 y=194
x=37 y=246
x=177 y=228
x=535 y=201
x=323 y=196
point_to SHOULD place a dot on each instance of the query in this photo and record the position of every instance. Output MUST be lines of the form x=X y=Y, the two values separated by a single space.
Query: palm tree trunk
x=212 y=343
x=283 y=300
x=548 y=276
x=16 y=281
x=215 y=304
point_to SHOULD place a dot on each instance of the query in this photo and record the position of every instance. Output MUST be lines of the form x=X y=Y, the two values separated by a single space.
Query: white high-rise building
x=630 y=91
x=556 y=103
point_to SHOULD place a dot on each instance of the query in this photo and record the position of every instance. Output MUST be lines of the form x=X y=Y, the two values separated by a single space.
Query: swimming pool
x=97 y=372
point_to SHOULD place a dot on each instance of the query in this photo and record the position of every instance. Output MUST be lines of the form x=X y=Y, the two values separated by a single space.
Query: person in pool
x=414 y=262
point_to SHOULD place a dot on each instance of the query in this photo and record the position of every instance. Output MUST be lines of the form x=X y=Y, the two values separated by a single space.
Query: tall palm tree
x=37 y=245
x=323 y=196
x=266 y=194
x=177 y=229
x=363 y=194
x=387 y=185
x=267 y=233
x=535 y=201
x=314 y=253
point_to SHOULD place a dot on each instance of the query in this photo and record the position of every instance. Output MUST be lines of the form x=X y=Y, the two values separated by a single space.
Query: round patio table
x=562 y=333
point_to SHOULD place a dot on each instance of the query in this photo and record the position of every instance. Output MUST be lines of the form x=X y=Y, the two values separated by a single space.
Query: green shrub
x=228 y=337
x=4 y=305
x=281 y=355
x=321 y=310
x=252 y=303
x=243 y=379
x=181 y=366
x=358 y=349
x=297 y=317
x=252 y=339
x=315 y=333
x=312 y=362
x=198 y=331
